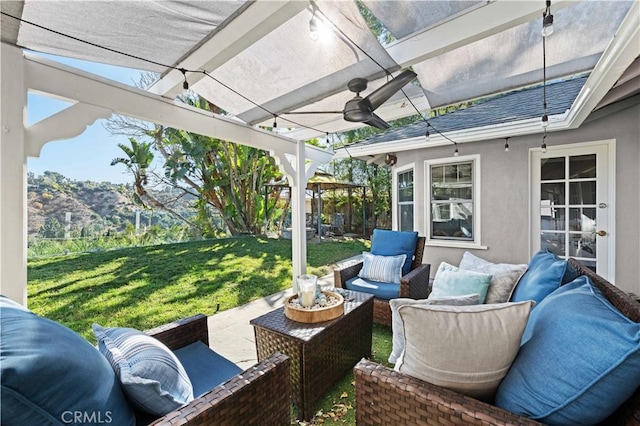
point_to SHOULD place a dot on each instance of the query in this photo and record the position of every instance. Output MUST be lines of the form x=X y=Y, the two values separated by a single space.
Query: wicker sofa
x=49 y=376
x=387 y=397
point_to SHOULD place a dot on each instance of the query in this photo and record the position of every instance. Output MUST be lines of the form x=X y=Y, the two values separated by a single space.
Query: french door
x=572 y=204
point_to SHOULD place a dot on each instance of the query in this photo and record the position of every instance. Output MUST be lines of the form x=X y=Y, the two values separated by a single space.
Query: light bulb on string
x=506 y=145
x=543 y=147
x=547 y=21
x=185 y=84
x=545 y=120
x=455 y=152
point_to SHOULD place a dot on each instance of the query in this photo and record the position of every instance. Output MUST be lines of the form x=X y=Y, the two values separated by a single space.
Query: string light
x=426 y=132
x=543 y=147
x=160 y=64
x=455 y=152
x=314 y=26
x=547 y=21
x=506 y=144
x=185 y=84
x=275 y=123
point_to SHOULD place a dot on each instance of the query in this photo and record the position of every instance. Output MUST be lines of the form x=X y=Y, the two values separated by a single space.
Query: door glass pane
x=582 y=166
x=582 y=192
x=552 y=168
x=582 y=245
x=554 y=241
x=552 y=219
x=553 y=192
x=582 y=219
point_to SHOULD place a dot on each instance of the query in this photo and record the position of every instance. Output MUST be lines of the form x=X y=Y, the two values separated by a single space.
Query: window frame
x=476 y=185
x=396 y=196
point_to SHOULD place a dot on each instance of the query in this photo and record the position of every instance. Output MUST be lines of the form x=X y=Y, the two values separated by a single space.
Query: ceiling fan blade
x=384 y=92
x=312 y=112
x=378 y=122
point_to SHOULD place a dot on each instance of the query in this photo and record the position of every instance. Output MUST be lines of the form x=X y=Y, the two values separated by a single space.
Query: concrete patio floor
x=230 y=333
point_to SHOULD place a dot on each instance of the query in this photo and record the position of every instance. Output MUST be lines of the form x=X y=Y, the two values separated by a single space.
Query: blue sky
x=88 y=156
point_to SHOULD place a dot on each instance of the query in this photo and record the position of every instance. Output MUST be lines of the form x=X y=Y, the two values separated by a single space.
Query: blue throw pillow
x=546 y=272
x=52 y=376
x=393 y=243
x=151 y=375
x=579 y=360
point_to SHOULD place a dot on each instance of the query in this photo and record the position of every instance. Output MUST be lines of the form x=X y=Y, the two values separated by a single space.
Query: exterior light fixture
x=545 y=120
x=455 y=152
x=543 y=147
x=275 y=124
x=506 y=144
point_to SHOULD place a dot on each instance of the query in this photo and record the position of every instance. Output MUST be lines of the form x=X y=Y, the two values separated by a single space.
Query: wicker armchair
x=414 y=285
x=258 y=396
x=387 y=397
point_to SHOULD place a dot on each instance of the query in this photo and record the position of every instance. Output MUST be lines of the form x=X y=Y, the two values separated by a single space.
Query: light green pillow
x=452 y=281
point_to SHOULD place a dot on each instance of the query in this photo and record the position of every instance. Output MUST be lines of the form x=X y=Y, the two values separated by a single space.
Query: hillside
x=96 y=207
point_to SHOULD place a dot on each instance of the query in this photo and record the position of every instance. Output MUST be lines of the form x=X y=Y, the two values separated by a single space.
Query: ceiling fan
x=361 y=110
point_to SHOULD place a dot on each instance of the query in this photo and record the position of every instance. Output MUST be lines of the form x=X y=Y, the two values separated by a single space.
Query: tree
x=52 y=228
x=138 y=160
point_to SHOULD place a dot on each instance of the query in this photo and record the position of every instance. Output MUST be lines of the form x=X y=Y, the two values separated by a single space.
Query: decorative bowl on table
x=333 y=308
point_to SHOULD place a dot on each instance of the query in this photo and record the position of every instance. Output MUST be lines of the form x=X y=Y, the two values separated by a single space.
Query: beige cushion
x=396 y=323
x=468 y=349
x=504 y=276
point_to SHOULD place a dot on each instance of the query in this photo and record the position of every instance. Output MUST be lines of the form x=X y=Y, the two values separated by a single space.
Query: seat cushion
x=386 y=269
x=452 y=281
x=50 y=373
x=468 y=349
x=150 y=374
x=504 y=276
x=579 y=360
x=545 y=274
x=396 y=323
x=206 y=369
x=393 y=243
x=380 y=290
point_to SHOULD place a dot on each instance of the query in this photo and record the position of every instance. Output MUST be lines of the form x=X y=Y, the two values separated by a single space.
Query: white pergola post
x=13 y=185
x=298 y=219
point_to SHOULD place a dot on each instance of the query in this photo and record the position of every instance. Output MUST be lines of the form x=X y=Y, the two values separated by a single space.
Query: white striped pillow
x=385 y=269
x=150 y=374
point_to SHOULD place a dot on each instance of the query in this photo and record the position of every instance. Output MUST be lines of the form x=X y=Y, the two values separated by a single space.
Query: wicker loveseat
x=414 y=284
x=388 y=397
x=62 y=385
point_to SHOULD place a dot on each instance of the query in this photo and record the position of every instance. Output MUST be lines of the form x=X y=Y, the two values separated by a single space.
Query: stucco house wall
x=505 y=191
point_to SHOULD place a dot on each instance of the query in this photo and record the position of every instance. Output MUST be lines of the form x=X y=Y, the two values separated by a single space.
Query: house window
x=405 y=200
x=453 y=189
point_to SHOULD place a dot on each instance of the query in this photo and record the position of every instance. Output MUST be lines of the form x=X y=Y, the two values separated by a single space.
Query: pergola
x=256 y=61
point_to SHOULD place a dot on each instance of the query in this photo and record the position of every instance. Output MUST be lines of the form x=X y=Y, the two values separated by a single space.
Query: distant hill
x=98 y=207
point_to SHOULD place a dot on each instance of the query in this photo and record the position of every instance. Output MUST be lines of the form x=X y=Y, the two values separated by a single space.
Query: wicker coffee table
x=320 y=353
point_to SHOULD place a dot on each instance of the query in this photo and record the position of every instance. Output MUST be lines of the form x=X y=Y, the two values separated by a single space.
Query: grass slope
x=144 y=287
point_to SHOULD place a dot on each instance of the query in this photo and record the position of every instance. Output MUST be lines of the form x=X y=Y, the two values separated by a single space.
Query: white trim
x=477 y=223
x=608 y=145
x=395 y=213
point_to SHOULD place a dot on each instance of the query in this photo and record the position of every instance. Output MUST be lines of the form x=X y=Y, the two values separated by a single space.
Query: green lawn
x=143 y=287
